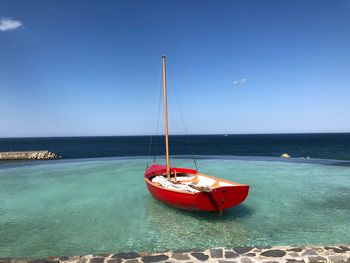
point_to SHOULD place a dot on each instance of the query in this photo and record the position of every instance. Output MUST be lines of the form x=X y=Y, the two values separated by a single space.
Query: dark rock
x=43 y=260
x=200 y=256
x=129 y=255
x=149 y=259
x=292 y=260
x=338 y=250
x=216 y=252
x=143 y=253
x=250 y=254
x=5 y=260
x=341 y=249
x=276 y=253
x=295 y=249
x=231 y=254
x=180 y=256
x=39 y=261
x=19 y=260
x=242 y=250
x=97 y=260
x=115 y=260
x=344 y=248
x=338 y=259
x=132 y=261
x=317 y=259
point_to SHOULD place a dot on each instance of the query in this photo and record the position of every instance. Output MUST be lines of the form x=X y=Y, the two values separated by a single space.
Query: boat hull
x=176 y=199
x=218 y=199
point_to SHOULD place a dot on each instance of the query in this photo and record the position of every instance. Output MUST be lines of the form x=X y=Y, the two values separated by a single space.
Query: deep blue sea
x=322 y=146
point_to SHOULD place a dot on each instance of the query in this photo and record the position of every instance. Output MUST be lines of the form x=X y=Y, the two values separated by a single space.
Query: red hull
x=218 y=199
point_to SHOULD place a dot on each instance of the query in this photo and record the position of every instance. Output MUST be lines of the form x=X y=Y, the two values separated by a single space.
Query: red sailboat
x=188 y=188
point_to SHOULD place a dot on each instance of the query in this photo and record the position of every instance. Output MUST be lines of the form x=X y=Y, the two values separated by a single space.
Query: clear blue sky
x=70 y=68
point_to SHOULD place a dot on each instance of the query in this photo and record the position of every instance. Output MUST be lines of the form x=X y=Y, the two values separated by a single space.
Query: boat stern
x=222 y=198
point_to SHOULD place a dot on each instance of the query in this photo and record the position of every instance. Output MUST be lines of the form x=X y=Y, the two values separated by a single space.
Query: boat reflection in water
x=193 y=228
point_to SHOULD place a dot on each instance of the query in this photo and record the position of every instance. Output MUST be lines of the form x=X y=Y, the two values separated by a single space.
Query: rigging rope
x=157 y=126
x=183 y=122
x=158 y=117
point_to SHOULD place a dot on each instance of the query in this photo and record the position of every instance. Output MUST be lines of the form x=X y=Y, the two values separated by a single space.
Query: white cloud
x=9 y=24
x=241 y=81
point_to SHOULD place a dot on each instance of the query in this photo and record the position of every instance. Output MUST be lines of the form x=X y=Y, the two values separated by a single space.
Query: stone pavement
x=287 y=254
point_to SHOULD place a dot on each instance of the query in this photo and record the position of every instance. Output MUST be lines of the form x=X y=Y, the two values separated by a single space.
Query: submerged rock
x=242 y=250
x=200 y=256
x=216 y=252
x=155 y=258
x=128 y=255
x=273 y=253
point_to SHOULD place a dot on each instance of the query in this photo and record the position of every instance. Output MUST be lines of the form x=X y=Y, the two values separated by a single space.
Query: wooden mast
x=166 y=119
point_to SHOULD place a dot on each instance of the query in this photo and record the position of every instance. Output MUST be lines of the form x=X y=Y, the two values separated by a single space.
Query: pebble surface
x=287 y=254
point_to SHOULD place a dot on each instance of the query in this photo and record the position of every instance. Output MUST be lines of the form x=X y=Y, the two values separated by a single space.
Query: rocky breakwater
x=28 y=155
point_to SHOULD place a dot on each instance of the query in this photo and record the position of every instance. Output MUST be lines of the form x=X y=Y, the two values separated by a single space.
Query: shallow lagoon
x=102 y=205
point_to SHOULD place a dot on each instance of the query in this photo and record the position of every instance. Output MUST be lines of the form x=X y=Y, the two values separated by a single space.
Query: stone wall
x=308 y=254
x=28 y=155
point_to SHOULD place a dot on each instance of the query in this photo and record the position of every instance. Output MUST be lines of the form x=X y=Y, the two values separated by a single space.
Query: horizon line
x=156 y=135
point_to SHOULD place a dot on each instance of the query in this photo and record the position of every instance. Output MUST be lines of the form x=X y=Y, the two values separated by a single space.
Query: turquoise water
x=102 y=205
